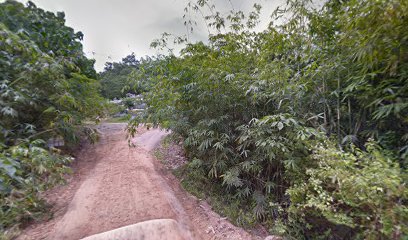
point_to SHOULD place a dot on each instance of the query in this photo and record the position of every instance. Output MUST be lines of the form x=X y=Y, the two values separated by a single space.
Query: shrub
x=362 y=190
x=47 y=90
x=25 y=170
x=251 y=106
x=129 y=102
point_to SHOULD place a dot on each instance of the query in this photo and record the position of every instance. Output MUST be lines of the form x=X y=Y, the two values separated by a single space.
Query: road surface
x=115 y=185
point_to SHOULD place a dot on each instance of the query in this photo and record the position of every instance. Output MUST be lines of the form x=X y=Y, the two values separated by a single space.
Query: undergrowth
x=195 y=182
x=303 y=124
x=48 y=89
x=123 y=119
x=225 y=204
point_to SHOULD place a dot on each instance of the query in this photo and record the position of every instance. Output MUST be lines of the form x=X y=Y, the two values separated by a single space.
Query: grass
x=123 y=119
x=160 y=152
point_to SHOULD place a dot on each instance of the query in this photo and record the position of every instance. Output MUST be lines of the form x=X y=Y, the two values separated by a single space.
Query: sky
x=115 y=28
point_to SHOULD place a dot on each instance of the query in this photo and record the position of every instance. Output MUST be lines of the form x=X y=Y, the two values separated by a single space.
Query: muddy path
x=115 y=185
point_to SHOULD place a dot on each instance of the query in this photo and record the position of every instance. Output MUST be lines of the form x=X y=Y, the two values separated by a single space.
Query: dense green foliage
x=363 y=190
x=47 y=88
x=115 y=77
x=283 y=118
x=127 y=76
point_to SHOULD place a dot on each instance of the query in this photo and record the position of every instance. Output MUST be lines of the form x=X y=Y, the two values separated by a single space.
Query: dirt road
x=115 y=185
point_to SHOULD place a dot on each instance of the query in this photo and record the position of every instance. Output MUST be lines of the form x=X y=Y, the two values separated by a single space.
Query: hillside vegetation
x=47 y=89
x=303 y=126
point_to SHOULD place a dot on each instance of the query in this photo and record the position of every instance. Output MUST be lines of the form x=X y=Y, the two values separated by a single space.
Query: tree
x=115 y=76
x=130 y=60
x=46 y=91
x=128 y=76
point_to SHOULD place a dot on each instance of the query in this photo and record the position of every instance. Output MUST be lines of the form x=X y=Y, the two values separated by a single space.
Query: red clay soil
x=114 y=185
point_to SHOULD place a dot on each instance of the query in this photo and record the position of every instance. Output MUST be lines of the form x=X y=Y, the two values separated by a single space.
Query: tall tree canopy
x=128 y=76
x=115 y=76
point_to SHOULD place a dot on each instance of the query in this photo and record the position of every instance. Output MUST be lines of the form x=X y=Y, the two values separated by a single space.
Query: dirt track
x=115 y=185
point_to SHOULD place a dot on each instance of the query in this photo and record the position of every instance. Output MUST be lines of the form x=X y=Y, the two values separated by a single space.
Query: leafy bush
x=252 y=106
x=47 y=88
x=129 y=102
x=25 y=170
x=363 y=190
x=194 y=180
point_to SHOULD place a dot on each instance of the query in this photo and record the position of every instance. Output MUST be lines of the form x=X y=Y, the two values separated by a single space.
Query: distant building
x=117 y=101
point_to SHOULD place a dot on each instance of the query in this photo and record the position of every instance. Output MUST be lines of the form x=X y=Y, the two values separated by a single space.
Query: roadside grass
x=123 y=119
x=160 y=152
x=41 y=212
x=10 y=234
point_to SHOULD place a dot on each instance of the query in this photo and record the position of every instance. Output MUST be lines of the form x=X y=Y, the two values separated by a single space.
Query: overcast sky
x=116 y=28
